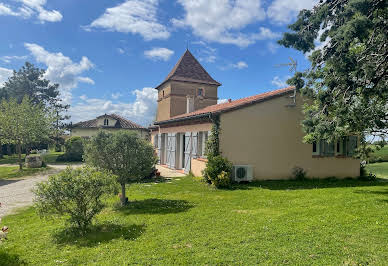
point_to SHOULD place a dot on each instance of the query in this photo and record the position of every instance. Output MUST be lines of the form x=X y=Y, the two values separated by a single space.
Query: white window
x=202 y=140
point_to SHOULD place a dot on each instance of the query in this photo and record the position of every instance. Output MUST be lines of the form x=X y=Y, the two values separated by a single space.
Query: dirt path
x=16 y=193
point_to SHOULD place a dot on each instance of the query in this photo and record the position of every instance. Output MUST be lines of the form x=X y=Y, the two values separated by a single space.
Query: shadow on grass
x=10 y=259
x=98 y=234
x=155 y=206
x=378 y=192
x=309 y=184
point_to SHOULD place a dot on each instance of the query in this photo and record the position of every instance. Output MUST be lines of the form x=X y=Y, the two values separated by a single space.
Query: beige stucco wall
x=174 y=101
x=184 y=128
x=90 y=132
x=197 y=166
x=268 y=136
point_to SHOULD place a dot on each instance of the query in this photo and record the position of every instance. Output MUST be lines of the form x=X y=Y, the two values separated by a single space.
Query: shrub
x=74 y=192
x=74 y=150
x=222 y=180
x=215 y=167
x=298 y=173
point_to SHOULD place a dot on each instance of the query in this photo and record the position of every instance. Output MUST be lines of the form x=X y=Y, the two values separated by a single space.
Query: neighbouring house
x=262 y=132
x=110 y=122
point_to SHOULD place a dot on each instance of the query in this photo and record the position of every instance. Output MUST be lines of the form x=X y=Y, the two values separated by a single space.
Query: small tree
x=74 y=150
x=124 y=153
x=23 y=123
x=74 y=192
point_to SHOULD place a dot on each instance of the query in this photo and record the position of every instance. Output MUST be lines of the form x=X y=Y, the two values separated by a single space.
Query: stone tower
x=187 y=88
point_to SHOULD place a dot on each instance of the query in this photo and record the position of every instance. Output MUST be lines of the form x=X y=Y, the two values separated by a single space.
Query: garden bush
x=74 y=150
x=76 y=193
x=298 y=173
x=223 y=180
x=217 y=169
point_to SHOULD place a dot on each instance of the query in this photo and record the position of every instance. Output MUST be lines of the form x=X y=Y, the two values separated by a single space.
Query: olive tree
x=125 y=154
x=74 y=192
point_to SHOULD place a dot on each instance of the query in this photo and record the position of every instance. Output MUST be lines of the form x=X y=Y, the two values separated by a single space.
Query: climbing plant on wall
x=213 y=143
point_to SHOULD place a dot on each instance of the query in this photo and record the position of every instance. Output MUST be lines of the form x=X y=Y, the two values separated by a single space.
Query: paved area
x=166 y=172
x=16 y=193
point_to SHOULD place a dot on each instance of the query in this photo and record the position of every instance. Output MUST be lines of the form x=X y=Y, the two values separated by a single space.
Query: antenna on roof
x=293 y=64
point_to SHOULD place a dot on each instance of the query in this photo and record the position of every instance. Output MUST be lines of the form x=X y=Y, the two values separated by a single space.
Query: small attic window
x=200 y=92
x=106 y=122
x=163 y=93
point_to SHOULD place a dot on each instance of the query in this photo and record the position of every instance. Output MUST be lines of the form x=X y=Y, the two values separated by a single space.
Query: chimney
x=229 y=100
x=190 y=104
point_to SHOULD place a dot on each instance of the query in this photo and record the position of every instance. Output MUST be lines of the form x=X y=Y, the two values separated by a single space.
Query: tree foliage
x=23 y=123
x=74 y=192
x=124 y=153
x=30 y=81
x=347 y=80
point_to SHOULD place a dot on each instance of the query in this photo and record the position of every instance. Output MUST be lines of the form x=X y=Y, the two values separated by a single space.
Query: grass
x=49 y=158
x=7 y=172
x=379 y=169
x=184 y=221
x=381 y=154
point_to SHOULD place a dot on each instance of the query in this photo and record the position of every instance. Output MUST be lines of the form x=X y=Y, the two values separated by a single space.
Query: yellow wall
x=197 y=166
x=90 y=132
x=268 y=136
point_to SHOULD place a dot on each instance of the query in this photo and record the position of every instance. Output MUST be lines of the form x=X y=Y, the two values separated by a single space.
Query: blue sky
x=107 y=55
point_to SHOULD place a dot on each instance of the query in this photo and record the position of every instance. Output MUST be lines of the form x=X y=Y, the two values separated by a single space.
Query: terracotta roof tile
x=121 y=123
x=188 y=69
x=223 y=107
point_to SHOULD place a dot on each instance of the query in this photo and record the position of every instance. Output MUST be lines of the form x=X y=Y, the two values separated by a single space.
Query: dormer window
x=106 y=122
x=200 y=92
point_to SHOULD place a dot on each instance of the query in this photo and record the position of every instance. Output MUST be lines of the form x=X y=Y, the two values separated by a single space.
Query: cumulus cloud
x=280 y=82
x=240 y=65
x=30 y=8
x=61 y=69
x=4 y=75
x=222 y=20
x=159 y=54
x=117 y=95
x=133 y=16
x=142 y=110
x=284 y=11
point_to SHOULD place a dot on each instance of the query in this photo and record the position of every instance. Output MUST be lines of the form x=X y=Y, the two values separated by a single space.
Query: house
x=110 y=122
x=262 y=132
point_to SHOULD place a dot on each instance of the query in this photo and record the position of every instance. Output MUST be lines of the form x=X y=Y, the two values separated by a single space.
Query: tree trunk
x=123 y=197
x=19 y=147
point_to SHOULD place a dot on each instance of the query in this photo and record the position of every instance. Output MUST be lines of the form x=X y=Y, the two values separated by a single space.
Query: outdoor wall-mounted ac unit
x=242 y=173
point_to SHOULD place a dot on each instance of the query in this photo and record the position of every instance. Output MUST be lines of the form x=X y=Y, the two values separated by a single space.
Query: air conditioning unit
x=242 y=173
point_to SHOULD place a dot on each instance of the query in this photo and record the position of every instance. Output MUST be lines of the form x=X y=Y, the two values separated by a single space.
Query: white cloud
x=222 y=20
x=284 y=11
x=29 y=8
x=117 y=95
x=120 y=50
x=280 y=83
x=272 y=47
x=240 y=65
x=206 y=53
x=9 y=59
x=61 y=69
x=133 y=16
x=222 y=101
x=159 y=54
x=142 y=110
x=4 y=75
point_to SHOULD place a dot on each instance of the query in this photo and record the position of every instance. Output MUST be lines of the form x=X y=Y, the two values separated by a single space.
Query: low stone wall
x=197 y=166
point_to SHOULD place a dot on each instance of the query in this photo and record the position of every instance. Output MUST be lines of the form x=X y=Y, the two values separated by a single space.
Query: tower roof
x=188 y=69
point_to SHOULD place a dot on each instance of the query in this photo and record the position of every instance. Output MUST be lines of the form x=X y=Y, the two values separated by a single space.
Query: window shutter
x=200 y=142
x=173 y=150
x=187 y=152
x=194 y=151
x=159 y=149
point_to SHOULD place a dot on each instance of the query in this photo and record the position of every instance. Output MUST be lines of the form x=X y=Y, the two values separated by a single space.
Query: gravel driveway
x=16 y=193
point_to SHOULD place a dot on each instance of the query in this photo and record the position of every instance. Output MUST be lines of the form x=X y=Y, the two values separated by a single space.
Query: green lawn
x=7 y=172
x=187 y=222
x=49 y=158
x=381 y=153
x=379 y=169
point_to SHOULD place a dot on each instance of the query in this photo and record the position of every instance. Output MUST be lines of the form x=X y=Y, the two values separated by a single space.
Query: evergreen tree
x=347 y=80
